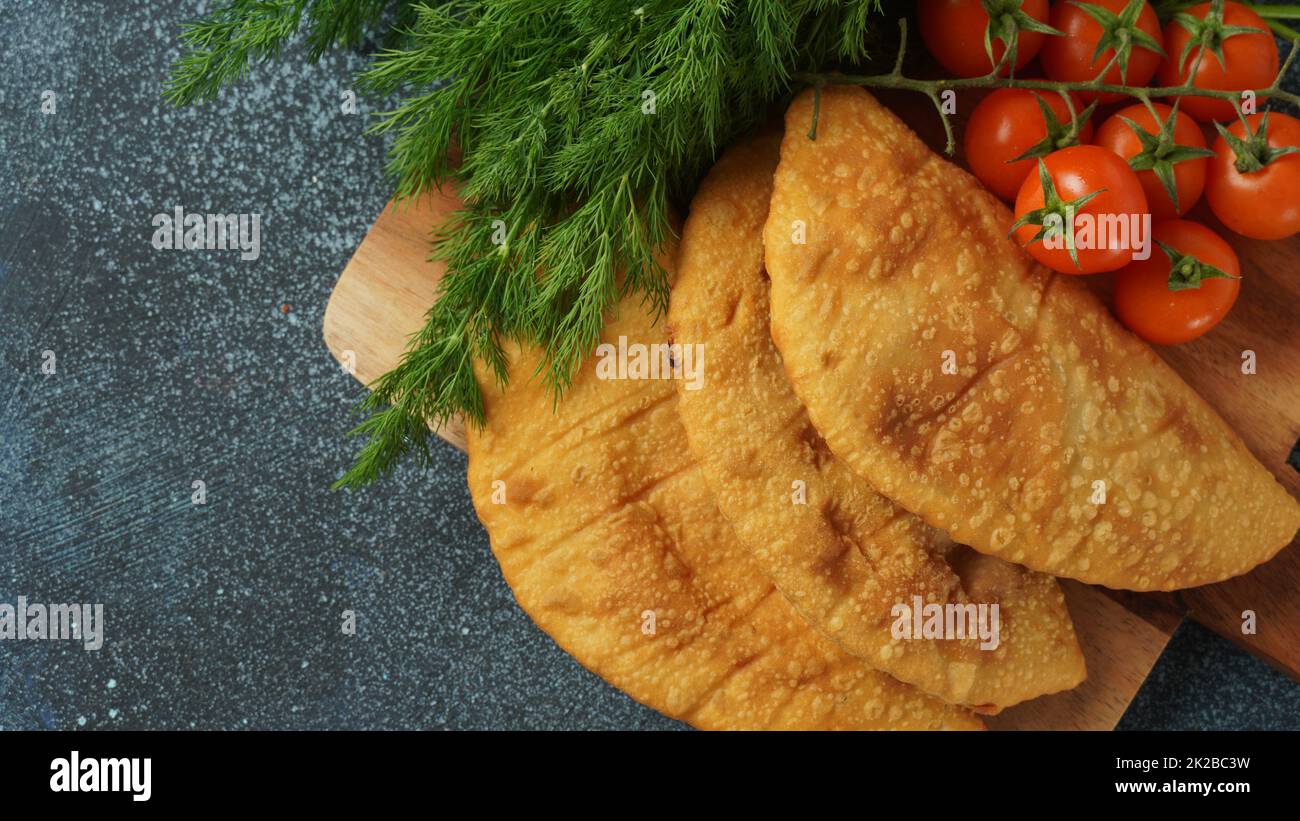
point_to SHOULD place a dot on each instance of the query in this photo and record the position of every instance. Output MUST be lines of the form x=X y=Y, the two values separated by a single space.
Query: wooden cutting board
x=384 y=291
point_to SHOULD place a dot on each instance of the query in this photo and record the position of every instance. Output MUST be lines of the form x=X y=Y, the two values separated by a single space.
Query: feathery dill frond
x=578 y=125
x=220 y=47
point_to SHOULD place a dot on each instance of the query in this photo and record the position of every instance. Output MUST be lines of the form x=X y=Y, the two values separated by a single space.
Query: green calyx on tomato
x=1164 y=312
x=1120 y=32
x=1059 y=135
x=1006 y=20
x=1160 y=153
x=1186 y=271
x=1253 y=152
x=1209 y=32
x=1055 y=214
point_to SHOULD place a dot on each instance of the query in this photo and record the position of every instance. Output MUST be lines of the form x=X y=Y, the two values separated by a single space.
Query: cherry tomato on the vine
x=1097 y=188
x=1168 y=153
x=1008 y=123
x=1256 y=191
x=1249 y=58
x=1168 y=301
x=953 y=31
x=1130 y=25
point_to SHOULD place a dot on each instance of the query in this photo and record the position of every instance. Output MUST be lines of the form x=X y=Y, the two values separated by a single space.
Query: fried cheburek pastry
x=843 y=555
x=995 y=399
x=607 y=534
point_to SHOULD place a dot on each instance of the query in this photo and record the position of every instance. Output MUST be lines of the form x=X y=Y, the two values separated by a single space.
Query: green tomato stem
x=933 y=88
x=1284 y=30
x=1276 y=12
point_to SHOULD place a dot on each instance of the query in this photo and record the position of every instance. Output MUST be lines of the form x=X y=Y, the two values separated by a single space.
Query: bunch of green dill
x=577 y=124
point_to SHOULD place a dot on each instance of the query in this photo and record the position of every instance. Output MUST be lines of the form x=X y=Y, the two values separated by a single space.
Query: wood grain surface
x=386 y=288
x=1120 y=646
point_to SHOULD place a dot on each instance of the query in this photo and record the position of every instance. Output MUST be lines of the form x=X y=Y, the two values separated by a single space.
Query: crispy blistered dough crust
x=843 y=555
x=607 y=523
x=906 y=258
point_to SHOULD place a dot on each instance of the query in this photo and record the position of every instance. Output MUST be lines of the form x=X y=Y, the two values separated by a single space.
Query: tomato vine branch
x=896 y=79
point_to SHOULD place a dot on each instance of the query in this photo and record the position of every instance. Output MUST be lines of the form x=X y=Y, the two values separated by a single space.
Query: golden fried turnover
x=843 y=555
x=607 y=533
x=998 y=401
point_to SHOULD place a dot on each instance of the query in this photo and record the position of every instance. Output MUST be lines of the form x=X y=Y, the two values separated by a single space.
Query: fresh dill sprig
x=570 y=129
x=578 y=125
x=220 y=46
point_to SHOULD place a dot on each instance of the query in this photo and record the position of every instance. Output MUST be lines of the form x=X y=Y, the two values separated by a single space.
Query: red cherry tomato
x=1189 y=174
x=1069 y=58
x=953 y=31
x=1006 y=124
x=1264 y=204
x=1249 y=61
x=1107 y=227
x=1144 y=302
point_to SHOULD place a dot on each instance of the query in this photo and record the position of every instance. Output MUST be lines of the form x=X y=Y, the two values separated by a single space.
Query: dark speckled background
x=174 y=366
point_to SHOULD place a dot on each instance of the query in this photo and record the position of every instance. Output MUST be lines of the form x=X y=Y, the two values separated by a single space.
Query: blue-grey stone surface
x=179 y=366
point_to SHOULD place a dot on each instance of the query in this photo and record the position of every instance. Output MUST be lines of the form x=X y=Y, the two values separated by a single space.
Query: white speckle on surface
x=173 y=366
